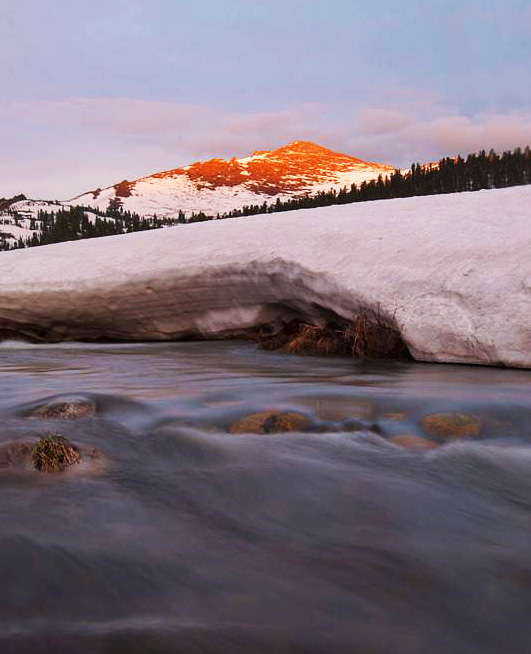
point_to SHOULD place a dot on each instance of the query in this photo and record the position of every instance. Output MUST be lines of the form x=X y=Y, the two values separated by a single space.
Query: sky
x=100 y=91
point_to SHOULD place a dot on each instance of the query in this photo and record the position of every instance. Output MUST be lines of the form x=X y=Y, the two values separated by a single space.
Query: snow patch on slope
x=21 y=219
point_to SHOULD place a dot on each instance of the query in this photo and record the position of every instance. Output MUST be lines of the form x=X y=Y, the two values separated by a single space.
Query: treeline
x=5 y=203
x=76 y=223
x=477 y=171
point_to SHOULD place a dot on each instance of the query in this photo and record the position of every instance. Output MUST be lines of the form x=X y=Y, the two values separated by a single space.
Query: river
x=183 y=537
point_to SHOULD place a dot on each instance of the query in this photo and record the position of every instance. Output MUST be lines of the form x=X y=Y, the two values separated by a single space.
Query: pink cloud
x=383 y=121
x=410 y=125
x=426 y=138
x=95 y=142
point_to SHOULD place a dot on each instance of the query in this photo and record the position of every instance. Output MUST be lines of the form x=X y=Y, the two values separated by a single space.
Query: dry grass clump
x=365 y=337
x=376 y=338
x=316 y=340
x=54 y=453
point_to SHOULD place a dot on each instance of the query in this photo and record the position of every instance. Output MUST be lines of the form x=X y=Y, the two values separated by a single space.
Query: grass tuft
x=54 y=453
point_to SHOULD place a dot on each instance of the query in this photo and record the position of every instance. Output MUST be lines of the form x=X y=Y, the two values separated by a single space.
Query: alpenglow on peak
x=219 y=185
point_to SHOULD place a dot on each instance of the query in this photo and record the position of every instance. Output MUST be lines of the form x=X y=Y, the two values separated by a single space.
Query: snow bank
x=453 y=272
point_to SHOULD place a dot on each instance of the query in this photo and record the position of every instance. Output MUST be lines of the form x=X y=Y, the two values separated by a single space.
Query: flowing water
x=181 y=537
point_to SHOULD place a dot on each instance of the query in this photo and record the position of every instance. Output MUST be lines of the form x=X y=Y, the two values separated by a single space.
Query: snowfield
x=452 y=271
x=166 y=197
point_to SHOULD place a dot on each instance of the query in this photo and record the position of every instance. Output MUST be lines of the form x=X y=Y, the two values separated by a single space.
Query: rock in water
x=411 y=442
x=65 y=410
x=269 y=422
x=14 y=454
x=451 y=425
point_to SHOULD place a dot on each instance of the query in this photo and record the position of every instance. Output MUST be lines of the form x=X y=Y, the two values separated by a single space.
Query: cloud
x=404 y=137
x=192 y=128
x=409 y=124
x=60 y=148
x=64 y=147
x=374 y=122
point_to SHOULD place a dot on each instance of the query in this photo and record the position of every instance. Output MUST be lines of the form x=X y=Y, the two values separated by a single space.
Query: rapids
x=186 y=538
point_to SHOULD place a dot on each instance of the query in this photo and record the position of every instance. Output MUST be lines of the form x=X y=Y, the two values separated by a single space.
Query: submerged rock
x=54 y=453
x=65 y=410
x=451 y=425
x=14 y=454
x=51 y=453
x=340 y=409
x=394 y=415
x=411 y=442
x=269 y=422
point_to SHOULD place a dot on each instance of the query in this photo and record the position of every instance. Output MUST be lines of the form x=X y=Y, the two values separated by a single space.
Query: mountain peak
x=298 y=147
x=303 y=146
x=294 y=169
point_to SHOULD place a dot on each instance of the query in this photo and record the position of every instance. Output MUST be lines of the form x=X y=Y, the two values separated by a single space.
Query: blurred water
x=189 y=539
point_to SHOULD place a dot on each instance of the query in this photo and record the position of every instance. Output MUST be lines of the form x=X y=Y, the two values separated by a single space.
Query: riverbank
x=451 y=274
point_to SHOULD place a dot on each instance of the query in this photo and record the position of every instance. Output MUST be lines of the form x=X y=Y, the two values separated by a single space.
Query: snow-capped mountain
x=219 y=185
x=212 y=187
